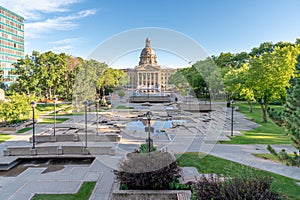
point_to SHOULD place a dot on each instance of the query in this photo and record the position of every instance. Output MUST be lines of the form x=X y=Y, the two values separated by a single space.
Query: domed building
x=148 y=74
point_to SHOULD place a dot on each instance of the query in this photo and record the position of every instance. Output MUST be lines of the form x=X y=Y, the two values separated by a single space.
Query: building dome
x=148 y=55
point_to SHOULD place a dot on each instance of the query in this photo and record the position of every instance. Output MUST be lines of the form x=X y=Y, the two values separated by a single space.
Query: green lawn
x=67 y=114
x=49 y=107
x=23 y=130
x=84 y=193
x=211 y=164
x=4 y=137
x=267 y=133
x=124 y=107
x=51 y=120
x=269 y=156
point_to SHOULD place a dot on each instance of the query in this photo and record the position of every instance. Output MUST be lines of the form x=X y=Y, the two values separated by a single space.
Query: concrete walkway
x=243 y=154
x=69 y=179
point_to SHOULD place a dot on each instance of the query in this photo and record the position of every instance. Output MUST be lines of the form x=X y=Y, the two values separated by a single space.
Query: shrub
x=249 y=185
x=151 y=171
x=144 y=148
x=121 y=93
x=276 y=116
x=284 y=157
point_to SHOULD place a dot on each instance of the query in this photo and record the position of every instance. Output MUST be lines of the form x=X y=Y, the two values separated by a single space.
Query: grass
x=267 y=133
x=49 y=107
x=124 y=107
x=67 y=114
x=4 y=137
x=23 y=130
x=51 y=120
x=269 y=156
x=211 y=164
x=83 y=193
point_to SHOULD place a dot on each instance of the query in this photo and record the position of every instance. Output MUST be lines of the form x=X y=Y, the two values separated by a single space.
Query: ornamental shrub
x=148 y=171
x=249 y=185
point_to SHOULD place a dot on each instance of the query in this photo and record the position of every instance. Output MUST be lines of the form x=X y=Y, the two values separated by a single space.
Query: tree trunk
x=50 y=93
x=264 y=113
x=250 y=106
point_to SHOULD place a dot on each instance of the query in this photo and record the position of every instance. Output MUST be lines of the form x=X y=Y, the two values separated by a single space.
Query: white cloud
x=33 y=10
x=67 y=41
x=66 y=45
x=68 y=22
x=63 y=48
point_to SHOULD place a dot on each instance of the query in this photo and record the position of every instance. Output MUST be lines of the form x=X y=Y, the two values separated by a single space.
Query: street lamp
x=54 y=127
x=97 y=117
x=232 y=104
x=149 y=116
x=85 y=103
x=32 y=104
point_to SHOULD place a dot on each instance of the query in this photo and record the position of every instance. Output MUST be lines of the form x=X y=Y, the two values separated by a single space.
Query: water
x=156 y=125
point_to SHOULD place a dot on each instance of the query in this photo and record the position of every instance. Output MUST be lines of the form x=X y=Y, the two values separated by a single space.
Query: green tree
x=121 y=93
x=28 y=79
x=237 y=86
x=86 y=81
x=292 y=109
x=269 y=74
x=16 y=108
x=47 y=74
x=111 y=78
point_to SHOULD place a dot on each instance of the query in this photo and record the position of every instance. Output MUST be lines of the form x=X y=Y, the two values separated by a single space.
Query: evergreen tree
x=292 y=109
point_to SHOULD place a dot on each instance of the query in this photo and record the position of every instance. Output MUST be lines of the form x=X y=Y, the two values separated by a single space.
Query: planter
x=118 y=194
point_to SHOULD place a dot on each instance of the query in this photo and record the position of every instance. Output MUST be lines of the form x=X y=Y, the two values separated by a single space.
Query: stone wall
x=149 y=194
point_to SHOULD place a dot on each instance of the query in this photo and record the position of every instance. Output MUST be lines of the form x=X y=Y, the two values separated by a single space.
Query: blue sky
x=77 y=27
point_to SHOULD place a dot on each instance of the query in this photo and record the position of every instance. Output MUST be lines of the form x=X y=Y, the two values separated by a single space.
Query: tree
x=269 y=74
x=292 y=109
x=111 y=78
x=47 y=74
x=237 y=86
x=121 y=93
x=86 y=81
x=2 y=86
x=16 y=108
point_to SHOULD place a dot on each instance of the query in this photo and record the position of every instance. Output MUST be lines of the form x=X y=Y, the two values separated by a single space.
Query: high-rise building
x=11 y=42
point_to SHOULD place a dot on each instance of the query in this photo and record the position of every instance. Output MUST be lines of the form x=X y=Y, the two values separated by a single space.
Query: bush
x=121 y=93
x=144 y=148
x=284 y=157
x=149 y=171
x=249 y=185
x=276 y=116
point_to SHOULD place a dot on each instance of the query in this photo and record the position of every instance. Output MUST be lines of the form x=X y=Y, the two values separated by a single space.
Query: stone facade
x=148 y=74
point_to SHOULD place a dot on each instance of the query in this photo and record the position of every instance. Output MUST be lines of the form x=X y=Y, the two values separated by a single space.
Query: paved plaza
x=192 y=132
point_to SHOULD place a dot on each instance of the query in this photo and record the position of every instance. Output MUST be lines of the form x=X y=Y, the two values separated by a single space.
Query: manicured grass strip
x=4 y=137
x=84 y=193
x=67 y=114
x=51 y=120
x=23 y=130
x=267 y=133
x=211 y=164
x=124 y=107
x=269 y=156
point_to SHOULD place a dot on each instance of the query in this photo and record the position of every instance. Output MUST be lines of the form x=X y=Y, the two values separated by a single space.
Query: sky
x=78 y=27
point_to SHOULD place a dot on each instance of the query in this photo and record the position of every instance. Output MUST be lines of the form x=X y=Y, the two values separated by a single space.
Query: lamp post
x=85 y=103
x=54 y=126
x=97 y=117
x=32 y=104
x=149 y=116
x=232 y=104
